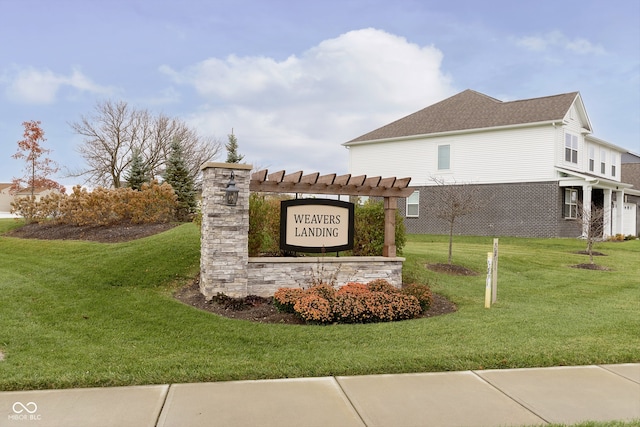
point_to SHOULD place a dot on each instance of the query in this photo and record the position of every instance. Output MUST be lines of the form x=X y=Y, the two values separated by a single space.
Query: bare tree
x=115 y=131
x=109 y=141
x=591 y=223
x=451 y=200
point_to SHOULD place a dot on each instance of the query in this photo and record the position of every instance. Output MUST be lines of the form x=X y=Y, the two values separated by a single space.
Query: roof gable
x=473 y=110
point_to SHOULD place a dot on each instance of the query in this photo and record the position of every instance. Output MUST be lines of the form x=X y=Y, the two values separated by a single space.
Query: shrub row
x=153 y=203
x=376 y=301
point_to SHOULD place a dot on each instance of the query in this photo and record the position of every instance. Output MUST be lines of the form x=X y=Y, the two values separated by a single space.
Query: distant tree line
x=122 y=144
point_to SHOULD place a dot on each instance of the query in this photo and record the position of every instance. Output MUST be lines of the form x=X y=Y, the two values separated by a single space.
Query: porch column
x=607 y=213
x=586 y=207
x=618 y=225
x=390 y=207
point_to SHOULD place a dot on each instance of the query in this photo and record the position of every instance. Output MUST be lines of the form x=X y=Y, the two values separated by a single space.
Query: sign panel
x=316 y=225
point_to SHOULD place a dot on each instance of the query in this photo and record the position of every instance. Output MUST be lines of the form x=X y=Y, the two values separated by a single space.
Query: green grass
x=81 y=314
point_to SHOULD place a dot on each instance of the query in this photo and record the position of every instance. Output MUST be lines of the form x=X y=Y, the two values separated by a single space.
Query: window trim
x=413 y=203
x=448 y=147
x=570 y=203
x=614 y=160
x=570 y=148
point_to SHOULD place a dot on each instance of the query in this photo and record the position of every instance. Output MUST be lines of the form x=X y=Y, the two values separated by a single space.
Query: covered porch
x=619 y=216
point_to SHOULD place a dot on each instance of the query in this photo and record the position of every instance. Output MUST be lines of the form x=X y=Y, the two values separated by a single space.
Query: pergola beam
x=389 y=188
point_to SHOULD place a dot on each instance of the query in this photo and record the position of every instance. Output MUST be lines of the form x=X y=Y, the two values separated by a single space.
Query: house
x=534 y=162
x=631 y=174
x=5 y=197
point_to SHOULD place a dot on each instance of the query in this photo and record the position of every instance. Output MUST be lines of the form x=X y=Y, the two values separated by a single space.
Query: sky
x=294 y=80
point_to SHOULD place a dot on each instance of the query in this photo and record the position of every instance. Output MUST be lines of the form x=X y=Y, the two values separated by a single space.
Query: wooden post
x=494 y=273
x=487 y=290
x=390 y=206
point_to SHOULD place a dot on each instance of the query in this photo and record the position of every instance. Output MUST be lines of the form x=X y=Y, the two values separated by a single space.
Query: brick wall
x=532 y=209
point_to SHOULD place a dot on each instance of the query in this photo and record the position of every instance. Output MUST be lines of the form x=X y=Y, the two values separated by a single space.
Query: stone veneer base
x=265 y=275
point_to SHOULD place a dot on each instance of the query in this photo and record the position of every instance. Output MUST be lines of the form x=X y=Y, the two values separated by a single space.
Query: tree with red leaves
x=37 y=169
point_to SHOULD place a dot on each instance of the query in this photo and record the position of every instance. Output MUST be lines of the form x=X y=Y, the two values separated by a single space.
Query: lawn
x=82 y=314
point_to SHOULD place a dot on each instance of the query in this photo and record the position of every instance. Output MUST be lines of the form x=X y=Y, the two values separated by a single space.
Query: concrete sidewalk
x=511 y=397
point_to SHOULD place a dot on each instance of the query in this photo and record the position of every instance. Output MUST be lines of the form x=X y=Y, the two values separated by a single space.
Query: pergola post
x=390 y=207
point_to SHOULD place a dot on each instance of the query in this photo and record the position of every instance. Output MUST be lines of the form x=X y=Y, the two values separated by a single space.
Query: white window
x=603 y=162
x=413 y=204
x=614 y=160
x=444 y=157
x=592 y=159
x=570 y=148
x=570 y=203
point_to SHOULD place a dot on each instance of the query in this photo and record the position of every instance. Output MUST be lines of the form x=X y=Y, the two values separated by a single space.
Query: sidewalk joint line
x=617 y=374
x=522 y=404
x=164 y=402
x=344 y=393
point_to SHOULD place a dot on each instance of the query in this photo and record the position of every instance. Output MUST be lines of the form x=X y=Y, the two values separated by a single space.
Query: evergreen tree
x=232 y=149
x=177 y=175
x=138 y=173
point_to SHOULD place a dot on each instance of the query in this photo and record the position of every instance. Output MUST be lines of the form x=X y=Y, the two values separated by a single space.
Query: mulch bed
x=452 y=269
x=262 y=310
x=123 y=232
x=591 y=267
x=594 y=253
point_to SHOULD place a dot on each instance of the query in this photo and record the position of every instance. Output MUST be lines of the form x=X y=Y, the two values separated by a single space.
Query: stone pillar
x=224 y=249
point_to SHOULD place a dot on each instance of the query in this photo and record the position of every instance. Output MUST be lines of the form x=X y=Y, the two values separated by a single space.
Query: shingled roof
x=474 y=110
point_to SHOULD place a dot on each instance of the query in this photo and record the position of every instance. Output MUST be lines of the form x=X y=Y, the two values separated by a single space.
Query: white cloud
x=295 y=113
x=556 y=39
x=33 y=86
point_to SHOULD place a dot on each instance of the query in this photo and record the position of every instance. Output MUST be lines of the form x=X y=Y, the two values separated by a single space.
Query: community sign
x=316 y=225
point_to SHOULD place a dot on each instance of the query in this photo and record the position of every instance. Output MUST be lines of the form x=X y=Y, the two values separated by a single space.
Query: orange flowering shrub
x=322 y=290
x=313 y=309
x=376 y=301
x=381 y=285
x=285 y=298
x=422 y=293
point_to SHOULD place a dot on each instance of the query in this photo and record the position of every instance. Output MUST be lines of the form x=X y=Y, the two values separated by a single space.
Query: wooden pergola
x=343 y=185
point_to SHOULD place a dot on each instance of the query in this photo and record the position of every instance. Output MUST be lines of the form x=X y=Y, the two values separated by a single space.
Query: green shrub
x=369 y=229
x=264 y=224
